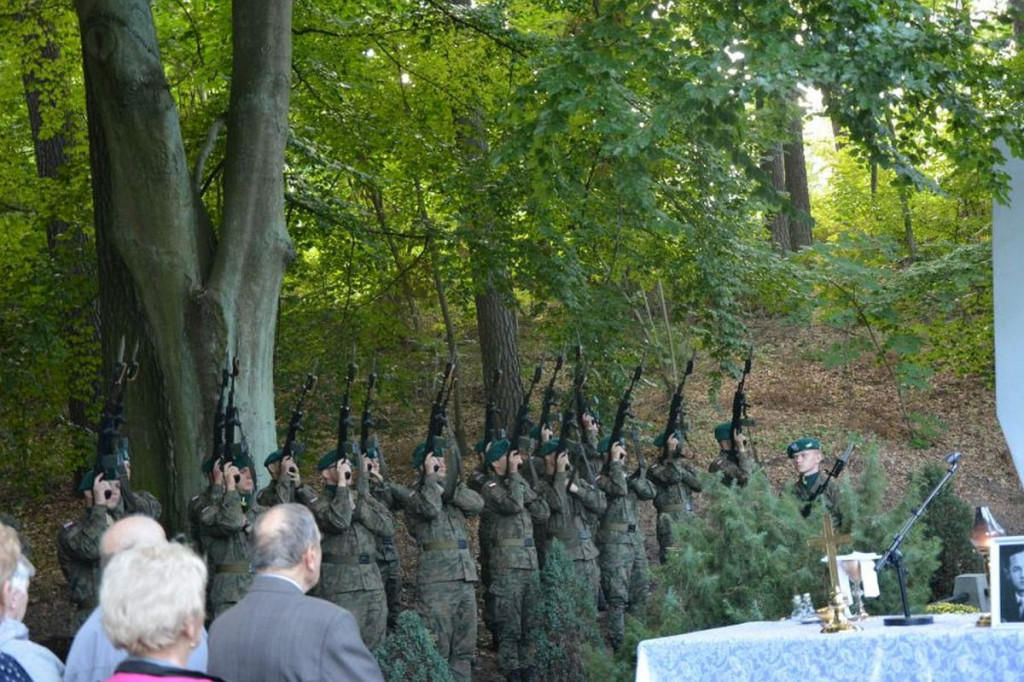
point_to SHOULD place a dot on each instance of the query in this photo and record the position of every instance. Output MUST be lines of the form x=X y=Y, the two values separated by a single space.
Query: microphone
x=953 y=458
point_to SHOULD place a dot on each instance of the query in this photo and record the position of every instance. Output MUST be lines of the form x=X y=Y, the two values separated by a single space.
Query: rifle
x=438 y=419
x=109 y=461
x=231 y=419
x=549 y=396
x=624 y=406
x=739 y=401
x=676 y=413
x=344 y=421
x=295 y=424
x=522 y=426
x=367 y=421
x=837 y=469
x=492 y=431
x=218 y=419
x=581 y=399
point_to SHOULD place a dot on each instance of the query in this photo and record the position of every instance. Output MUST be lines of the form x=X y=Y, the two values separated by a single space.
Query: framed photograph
x=1006 y=581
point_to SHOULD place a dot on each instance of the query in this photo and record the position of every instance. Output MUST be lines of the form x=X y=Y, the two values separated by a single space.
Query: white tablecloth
x=952 y=648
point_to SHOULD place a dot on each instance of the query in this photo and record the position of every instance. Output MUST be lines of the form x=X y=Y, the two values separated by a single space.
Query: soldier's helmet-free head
x=328 y=460
x=498 y=449
x=806 y=455
x=273 y=458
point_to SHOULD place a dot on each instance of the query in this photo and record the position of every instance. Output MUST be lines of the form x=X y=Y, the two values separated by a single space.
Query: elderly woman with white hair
x=152 y=601
x=17 y=654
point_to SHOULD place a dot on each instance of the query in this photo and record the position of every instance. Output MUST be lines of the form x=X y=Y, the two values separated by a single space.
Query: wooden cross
x=829 y=540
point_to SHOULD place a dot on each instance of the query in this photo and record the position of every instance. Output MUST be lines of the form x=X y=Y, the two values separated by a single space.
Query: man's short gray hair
x=281 y=536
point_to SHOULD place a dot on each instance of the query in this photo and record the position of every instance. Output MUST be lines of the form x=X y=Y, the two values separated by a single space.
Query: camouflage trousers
x=449 y=610
x=370 y=609
x=666 y=539
x=625 y=581
x=591 y=574
x=227 y=589
x=513 y=593
x=391 y=574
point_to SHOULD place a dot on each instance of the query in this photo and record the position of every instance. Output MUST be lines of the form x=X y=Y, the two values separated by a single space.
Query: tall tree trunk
x=778 y=223
x=163 y=280
x=796 y=185
x=499 y=350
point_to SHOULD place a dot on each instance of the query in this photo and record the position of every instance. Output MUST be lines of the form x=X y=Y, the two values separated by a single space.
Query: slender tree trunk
x=796 y=184
x=162 y=281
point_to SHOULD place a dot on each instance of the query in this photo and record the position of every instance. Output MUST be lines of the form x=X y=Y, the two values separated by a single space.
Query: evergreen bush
x=410 y=653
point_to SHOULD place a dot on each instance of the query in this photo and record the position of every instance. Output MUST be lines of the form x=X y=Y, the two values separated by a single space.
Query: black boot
x=526 y=674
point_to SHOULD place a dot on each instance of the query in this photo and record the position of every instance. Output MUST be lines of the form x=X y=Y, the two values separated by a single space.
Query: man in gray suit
x=276 y=632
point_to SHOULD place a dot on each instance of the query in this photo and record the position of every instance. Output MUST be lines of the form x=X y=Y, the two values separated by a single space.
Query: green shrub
x=410 y=653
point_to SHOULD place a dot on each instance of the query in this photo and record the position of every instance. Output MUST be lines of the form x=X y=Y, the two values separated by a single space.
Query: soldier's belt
x=386 y=542
x=619 y=527
x=584 y=535
x=439 y=545
x=347 y=559
x=674 y=508
x=514 y=542
x=232 y=568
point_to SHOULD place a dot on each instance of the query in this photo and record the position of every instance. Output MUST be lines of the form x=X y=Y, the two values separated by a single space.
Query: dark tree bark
x=775 y=166
x=796 y=185
x=165 y=280
x=499 y=349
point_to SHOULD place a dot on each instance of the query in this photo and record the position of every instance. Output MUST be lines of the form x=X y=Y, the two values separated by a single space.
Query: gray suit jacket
x=278 y=634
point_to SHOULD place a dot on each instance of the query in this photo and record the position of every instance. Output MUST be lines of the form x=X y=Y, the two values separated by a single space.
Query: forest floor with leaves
x=792 y=394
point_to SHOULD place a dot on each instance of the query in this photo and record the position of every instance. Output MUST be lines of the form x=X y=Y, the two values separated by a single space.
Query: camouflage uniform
x=735 y=466
x=674 y=482
x=349 y=576
x=393 y=497
x=200 y=540
x=225 y=522
x=568 y=522
x=446 y=571
x=623 y=561
x=807 y=486
x=78 y=548
x=477 y=481
x=283 y=491
x=513 y=566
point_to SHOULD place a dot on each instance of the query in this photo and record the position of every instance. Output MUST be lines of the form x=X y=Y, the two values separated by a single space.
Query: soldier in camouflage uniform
x=393 y=497
x=675 y=482
x=477 y=480
x=225 y=521
x=446 y=572
x=806 y=455
x=570 y=505
x=513 y=558
x=78 y=542
x=623 y=561
x=285 y=483
x=351 y=523
x=733 y=459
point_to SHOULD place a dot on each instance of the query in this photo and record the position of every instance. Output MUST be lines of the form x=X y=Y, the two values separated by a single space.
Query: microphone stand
x=893 y=556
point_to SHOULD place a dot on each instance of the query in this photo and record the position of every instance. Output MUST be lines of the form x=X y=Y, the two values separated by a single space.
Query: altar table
x=952 y=648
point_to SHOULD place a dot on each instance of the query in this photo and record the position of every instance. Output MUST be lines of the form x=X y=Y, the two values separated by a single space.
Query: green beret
x=593 y=413
x=525 y=444
x=328 y=460
x=85 y=485
x=274 y=456
x=535 y=432
x=240 y=456
x=659 y=441
x=549 y=447
x=498 y=449
x=802 y=444
x=372 y=451
x=723 y=431
x=480 y=445
x=419 y=455
x=207 y=466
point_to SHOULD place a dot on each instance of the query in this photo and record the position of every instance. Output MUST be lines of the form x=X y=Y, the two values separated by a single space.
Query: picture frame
x=1006 y=581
